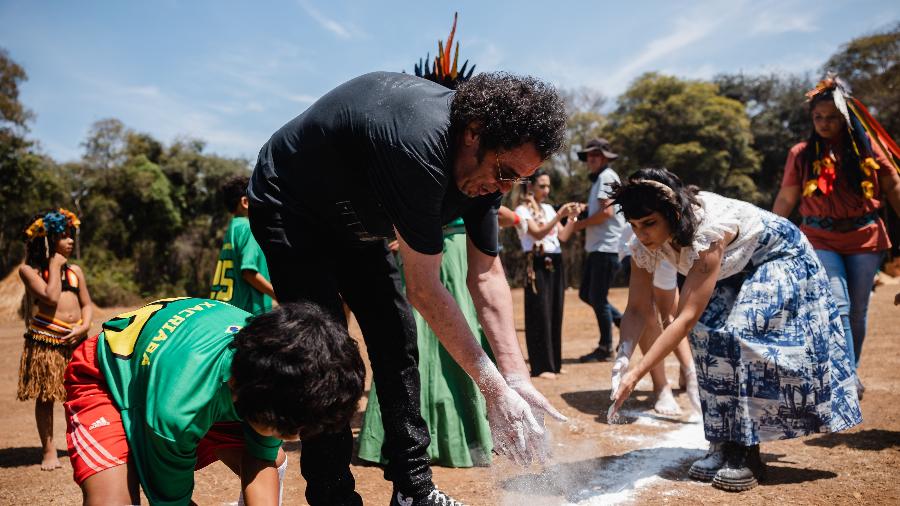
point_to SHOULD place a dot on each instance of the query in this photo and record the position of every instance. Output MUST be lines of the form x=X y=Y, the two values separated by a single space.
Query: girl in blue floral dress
x=764 y=330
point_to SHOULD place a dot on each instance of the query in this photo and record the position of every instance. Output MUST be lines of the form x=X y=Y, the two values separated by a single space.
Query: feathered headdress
x=863 y=129
x=442 y=71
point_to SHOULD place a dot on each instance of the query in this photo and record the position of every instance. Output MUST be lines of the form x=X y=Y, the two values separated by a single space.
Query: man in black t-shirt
x=391 y=155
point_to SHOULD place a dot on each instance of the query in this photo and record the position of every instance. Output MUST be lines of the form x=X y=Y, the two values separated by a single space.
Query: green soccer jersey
x=240 y=252
x=167 y=365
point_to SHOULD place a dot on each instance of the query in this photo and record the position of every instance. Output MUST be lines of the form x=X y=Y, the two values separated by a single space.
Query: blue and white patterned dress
x=769 y=348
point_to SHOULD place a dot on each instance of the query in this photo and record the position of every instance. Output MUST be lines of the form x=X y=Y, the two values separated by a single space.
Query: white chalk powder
x=619 y=480
x=612 y=479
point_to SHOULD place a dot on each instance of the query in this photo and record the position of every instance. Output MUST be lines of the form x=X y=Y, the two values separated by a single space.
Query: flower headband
x=54 y=222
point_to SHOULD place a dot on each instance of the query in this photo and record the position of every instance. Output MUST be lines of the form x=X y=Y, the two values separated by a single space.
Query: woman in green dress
x=452 y=406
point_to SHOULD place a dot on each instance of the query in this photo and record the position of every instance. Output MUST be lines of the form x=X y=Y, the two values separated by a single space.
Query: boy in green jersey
x=242 y=276
x=180 y=383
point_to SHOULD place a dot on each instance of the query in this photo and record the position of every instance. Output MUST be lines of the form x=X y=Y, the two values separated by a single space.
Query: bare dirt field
x=644 y=462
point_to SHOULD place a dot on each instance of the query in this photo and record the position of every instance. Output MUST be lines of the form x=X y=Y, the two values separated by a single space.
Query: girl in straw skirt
x=57 y=311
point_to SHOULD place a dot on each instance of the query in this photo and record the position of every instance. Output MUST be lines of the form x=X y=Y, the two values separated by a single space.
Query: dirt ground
x=644 y=462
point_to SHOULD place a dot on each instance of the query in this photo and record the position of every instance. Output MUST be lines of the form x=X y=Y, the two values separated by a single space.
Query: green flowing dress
x=452 y=406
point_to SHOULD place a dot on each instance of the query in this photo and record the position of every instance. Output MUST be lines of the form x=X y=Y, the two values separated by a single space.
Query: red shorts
x=94 y=431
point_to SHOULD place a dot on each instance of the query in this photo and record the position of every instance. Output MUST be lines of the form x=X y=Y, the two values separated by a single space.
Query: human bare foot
x=665 y=403
x=547 y=375
x=692 y=389
x=50 y=461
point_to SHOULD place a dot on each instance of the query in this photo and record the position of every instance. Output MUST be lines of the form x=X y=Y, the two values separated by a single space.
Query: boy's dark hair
x=658 y=190
x=233 y=190
x=297 y=370
x=512 y=110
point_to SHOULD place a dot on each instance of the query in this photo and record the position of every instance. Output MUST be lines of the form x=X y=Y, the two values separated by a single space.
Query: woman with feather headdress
x=840 y=176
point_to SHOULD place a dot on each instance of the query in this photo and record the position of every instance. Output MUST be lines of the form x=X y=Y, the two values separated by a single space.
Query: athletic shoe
x=706 y=468
x=434 y=498
x=743 y=468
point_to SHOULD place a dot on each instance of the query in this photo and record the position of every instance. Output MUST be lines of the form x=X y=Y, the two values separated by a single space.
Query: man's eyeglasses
x=506 y=175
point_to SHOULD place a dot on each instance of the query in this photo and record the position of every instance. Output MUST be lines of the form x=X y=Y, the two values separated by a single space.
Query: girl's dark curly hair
x=850 y=173
x=297 y=370
x=512 y=111
x=658 y=190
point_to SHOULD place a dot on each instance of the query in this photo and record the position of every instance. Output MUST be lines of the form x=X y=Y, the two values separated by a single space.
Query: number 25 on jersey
x=223 y=283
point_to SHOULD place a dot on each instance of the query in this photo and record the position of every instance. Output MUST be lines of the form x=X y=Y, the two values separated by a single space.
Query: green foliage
x=153 y=211
x=689 y=128
x=110 y=279
x=27 y=178
x=778 y=119
x=11 y=110
x=871 y=65
x=152 y=219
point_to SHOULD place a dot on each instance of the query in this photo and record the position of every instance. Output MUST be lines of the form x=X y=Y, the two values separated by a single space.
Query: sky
x=232 y=72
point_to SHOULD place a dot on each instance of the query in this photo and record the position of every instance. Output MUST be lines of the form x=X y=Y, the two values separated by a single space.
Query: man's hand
x=538 y=403
x=514 y=430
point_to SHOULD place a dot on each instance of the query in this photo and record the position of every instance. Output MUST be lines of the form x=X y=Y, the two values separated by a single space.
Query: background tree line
x=729 y=135
x=152 y=219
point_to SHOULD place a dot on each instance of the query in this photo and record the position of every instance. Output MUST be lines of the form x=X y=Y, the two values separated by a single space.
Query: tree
x=691 y=129
x=106 y=144
x=871 y=65
x=778 y=120
x=29 y=182
x=569 y=179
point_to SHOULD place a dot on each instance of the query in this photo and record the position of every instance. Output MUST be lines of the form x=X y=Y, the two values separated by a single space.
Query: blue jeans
x=852 y=277
x=599 y=270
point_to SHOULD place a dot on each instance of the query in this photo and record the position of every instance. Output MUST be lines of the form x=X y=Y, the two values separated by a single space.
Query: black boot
x=743 y=468
x=706 y=468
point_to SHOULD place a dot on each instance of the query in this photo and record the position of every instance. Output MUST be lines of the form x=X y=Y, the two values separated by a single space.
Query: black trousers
x=544 y=313
x=307 y=262
x=599 y=270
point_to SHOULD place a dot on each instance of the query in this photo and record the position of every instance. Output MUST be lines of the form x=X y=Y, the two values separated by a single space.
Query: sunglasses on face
x=507 y=175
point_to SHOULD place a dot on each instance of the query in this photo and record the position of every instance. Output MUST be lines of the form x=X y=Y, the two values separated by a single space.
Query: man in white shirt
x=603 y=226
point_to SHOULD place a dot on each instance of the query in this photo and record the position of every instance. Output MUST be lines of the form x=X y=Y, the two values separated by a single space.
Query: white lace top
x=717 y=215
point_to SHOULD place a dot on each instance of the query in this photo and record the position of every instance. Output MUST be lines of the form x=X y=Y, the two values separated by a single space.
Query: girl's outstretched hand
x=626 y=386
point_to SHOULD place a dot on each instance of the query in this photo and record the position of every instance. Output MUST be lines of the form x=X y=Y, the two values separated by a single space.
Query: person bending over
x=180 y=383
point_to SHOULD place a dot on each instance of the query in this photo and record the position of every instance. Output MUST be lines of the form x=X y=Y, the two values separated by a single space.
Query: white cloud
x=249 y=83
x=720 y=31
x=301 y=98
x=486 y=55
x=773 y=18
x=169 y=116
x=324 y=21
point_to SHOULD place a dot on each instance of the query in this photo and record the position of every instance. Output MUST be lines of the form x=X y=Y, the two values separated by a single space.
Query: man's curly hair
x=512 y=110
